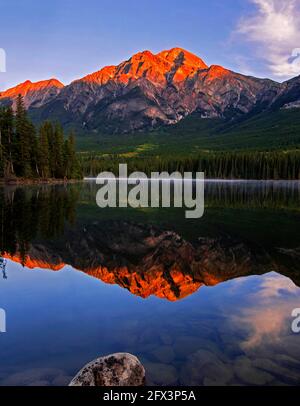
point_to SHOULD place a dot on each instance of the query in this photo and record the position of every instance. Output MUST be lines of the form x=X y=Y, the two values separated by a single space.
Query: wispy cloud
x=269 y=317
x=275 y=30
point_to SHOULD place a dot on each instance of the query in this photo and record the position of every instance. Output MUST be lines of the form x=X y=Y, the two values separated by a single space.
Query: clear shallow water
x=200 y=302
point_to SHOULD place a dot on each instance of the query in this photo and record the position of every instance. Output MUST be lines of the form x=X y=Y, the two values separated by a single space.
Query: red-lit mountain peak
x=34 y=94
x=216 y=72
x=143 y=65
x=183 y=57
x=28 y=86
x=100 y=77
x=156 y=68
x=184 y=63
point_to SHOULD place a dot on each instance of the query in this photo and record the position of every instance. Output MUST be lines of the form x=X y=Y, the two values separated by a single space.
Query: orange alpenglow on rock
x=33 y=263
x=101 y=77
x=175 y=63
x=150 y=90
x=153 y=282
x=36 y=93
x=143 y=284
x=29 y=86
x=215 y=72
x=184 y=63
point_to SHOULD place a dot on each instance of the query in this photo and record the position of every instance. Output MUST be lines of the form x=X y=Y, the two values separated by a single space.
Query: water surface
x=200 y=302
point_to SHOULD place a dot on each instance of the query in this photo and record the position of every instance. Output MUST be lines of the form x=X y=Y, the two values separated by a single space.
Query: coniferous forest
x=30 y=152
x=275 y=165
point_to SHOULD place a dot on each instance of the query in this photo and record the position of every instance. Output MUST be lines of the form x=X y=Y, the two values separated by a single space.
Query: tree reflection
x=33 y=213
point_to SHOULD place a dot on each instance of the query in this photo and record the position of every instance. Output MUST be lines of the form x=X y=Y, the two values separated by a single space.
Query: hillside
x=265 y=131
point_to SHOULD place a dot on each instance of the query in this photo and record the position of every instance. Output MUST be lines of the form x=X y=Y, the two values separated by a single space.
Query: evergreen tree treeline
x=45 y=153
x=219 y=165
x=30 y=213
x=28 y=153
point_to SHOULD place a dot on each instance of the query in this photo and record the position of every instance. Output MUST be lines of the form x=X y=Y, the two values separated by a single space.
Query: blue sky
x=68 y=39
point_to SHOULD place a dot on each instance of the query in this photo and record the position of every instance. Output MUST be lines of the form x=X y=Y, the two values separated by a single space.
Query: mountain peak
x=34 y=94
x=143 y=55
x=183 y=57
x=175 y=63
x=27 y=87
x=152 y=89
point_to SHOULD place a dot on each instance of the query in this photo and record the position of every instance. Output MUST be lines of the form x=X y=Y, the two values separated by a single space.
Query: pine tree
x=22 y=153
x=58 y=151
x=43 y=162
x=6 y=141
x=71 y=165
x=49 y=133
x=25 y=154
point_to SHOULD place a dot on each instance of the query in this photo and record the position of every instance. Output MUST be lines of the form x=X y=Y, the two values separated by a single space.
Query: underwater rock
x=205 y=368
x=164 y=354
x=166 y=338
x=36 y=377
x=120 y=369
x=249 y=374
x=161 y=374
x=186 y=345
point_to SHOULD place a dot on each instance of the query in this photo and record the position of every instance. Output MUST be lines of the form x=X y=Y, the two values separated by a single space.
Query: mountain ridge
x=29 y=89
x=150 y=90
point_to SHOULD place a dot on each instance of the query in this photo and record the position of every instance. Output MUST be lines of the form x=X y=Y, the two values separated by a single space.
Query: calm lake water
x=200 y=302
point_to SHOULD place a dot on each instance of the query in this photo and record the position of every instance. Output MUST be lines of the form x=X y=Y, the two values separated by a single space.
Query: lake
x=206 y=301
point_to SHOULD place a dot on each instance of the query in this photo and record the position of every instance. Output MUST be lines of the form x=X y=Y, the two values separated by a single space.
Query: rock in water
x=121 y=369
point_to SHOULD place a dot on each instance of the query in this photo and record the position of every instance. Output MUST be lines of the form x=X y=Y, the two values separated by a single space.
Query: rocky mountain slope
x=153 y=89
x=35 y=94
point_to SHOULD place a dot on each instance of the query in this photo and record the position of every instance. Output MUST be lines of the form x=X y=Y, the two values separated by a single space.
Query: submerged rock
x=205 y=368
x=164 y=354
x=161 y=374
x=120 y=369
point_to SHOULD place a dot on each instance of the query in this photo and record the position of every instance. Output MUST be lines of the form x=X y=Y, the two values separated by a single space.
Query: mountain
x=150 y=90
x=35 y=94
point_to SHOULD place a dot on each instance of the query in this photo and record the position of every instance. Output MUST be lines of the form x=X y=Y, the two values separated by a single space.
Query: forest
x=27 y=152
x=28 y=213
x=216 y=165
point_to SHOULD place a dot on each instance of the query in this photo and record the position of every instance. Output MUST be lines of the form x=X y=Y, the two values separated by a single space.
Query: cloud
x=266 y=326
x=275 y=30
x=274 y=285
x=269 y=318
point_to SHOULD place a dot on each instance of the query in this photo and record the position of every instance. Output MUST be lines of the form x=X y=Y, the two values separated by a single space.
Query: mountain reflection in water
x=41 y=232
x=60 y=245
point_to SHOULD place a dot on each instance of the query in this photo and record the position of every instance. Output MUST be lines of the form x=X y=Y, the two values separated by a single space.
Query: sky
x=68 y=39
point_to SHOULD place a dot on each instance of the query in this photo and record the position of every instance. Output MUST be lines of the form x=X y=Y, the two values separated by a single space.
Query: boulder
x=120 y=369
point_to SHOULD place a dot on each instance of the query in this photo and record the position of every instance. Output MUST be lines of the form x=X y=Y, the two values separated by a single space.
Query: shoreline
x=50 y=181
x=208 y=180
